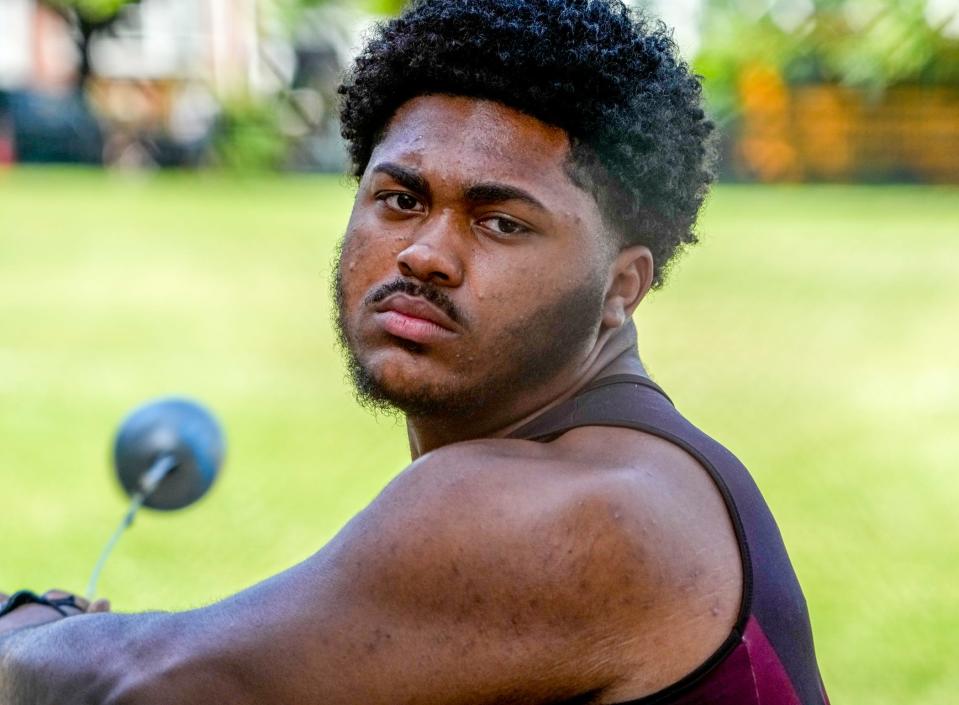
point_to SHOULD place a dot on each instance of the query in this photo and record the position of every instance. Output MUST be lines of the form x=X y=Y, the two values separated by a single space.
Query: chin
x=405 y=379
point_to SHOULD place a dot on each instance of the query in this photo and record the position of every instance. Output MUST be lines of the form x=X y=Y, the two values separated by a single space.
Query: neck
x=615 y=353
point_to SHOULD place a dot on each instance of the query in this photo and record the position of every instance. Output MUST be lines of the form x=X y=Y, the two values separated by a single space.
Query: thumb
x=101 y=605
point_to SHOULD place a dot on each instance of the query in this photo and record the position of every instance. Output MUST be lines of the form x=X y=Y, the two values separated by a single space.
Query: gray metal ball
x=176 y=427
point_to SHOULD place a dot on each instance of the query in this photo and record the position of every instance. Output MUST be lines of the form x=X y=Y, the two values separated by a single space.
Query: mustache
x=431 y=293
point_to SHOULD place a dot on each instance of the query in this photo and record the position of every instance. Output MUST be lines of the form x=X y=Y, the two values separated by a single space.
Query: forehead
x=466 y=140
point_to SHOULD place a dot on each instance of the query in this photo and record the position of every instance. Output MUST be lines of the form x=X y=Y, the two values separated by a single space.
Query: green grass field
x=815 y=331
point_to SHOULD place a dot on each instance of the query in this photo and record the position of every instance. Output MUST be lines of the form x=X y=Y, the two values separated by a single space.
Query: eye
x=402 y=201
x=502 y=225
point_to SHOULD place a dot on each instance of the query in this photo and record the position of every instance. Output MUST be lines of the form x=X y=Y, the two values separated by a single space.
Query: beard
x=527 y=353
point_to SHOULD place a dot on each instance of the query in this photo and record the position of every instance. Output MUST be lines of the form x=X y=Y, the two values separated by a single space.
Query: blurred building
x=802 y=89
x=212 y=40
x=148 y=81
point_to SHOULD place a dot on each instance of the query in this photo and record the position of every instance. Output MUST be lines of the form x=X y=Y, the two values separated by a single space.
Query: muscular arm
x=471 y=579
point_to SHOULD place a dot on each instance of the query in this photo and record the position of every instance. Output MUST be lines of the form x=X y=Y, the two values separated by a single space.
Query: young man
x=527 y=170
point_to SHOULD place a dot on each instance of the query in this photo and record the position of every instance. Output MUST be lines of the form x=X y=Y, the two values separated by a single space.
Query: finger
x=100 y=605
x=56 y=594
x=3 y=597
x=82 y=603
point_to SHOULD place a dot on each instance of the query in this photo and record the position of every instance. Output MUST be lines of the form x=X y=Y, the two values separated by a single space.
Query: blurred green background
x=814 y=331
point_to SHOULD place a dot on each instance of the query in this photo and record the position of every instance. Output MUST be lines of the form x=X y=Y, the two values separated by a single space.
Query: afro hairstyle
x=612 y=79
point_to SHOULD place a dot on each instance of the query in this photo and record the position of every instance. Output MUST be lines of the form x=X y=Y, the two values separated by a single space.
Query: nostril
x=426 y=263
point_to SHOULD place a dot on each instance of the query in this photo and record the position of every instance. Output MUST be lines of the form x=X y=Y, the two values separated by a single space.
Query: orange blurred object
x=827 y=132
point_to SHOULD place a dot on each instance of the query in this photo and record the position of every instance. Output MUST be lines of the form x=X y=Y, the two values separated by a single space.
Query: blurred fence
x=829 y=132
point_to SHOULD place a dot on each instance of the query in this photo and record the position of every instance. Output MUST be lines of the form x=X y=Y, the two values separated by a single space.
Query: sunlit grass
x=814 y=331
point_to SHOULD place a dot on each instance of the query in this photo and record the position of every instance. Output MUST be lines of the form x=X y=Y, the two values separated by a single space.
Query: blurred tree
x=830 y=89
x=869 y=44
x=89 y=17
x=377 y=7
x=386 y=7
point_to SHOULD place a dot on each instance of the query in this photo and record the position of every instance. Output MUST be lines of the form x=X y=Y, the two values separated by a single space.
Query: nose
x=432 y=254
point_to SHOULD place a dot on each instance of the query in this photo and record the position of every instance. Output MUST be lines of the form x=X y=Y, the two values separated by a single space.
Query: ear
x=630 y=279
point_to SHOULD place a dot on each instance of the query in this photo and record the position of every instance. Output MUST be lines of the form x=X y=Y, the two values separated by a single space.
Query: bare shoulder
x=620 y=536
x=597 y=568
x=635 y=492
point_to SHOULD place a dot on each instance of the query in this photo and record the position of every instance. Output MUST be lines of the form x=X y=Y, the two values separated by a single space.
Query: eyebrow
x=405 y=177
x=491 y=192
x=478 y=194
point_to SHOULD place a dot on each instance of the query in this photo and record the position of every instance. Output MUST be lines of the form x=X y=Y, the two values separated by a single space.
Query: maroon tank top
x=768 y=659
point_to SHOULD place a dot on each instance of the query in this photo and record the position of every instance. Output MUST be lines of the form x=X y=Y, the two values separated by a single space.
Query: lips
x=415 y=319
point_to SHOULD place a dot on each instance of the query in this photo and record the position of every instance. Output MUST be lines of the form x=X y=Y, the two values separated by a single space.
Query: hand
x=35 y=615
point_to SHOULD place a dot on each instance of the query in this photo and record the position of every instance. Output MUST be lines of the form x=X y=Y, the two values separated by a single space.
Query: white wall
x=15 y=50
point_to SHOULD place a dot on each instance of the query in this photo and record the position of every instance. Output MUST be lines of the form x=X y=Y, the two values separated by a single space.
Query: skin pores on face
x=468 y=204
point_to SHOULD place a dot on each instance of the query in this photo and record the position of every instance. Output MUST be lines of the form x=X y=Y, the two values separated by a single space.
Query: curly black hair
x=608 y=76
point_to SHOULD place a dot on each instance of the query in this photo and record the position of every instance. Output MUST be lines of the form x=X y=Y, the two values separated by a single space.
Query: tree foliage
x=869 y=44
x=378 y=7
x=88 y=16
x=97 y=12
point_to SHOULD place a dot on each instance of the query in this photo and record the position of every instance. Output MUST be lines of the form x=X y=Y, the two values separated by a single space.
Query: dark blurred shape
x=7 y=148
x=51 y=127
x=312 y=120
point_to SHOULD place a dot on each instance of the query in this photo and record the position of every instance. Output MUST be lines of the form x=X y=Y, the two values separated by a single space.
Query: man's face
x=473 y=270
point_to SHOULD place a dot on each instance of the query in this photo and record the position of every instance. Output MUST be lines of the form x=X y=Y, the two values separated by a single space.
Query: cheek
x=367 y=259
x=509 y=290
x=513 y=295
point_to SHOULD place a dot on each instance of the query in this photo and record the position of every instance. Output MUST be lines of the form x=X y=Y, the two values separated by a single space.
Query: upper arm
x=458 y=584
